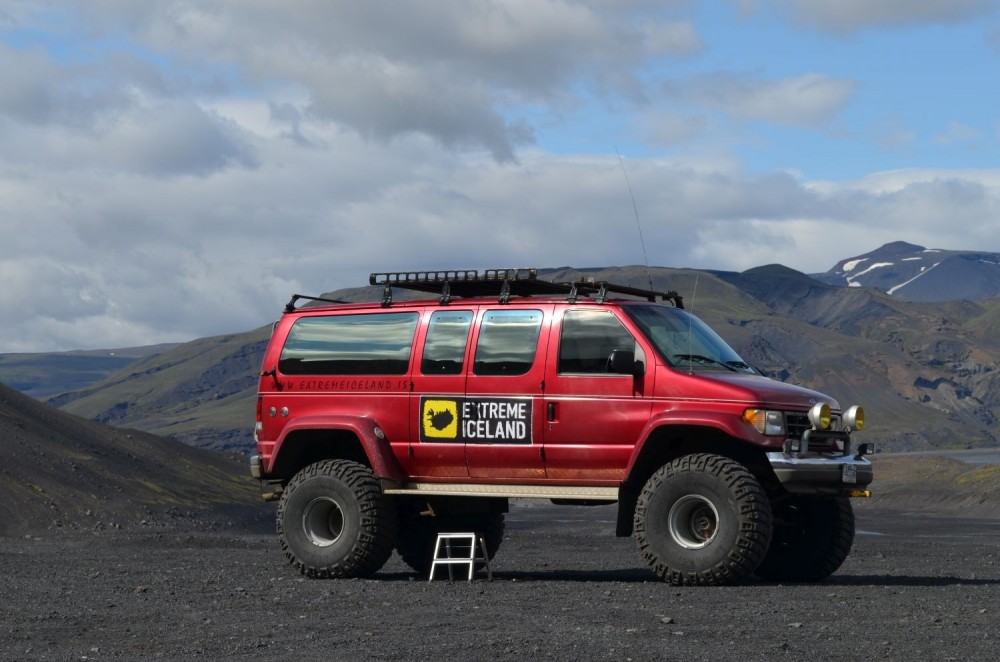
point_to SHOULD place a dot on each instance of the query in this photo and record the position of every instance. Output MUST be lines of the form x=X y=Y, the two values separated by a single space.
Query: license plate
x=849 y=473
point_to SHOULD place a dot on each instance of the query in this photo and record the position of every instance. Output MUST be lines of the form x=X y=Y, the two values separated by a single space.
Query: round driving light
x=854 y=418
x=819 y=416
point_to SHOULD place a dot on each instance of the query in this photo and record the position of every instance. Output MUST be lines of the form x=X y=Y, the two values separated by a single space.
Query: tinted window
x=507 y=342
x=588 y=338
x=349 y=345
x=444 y=349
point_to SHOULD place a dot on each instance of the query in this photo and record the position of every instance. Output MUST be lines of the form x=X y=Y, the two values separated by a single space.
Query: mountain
x=201 y=392
x=916 y=273
x=46 y=375
x=62 y=472
x=927 y=374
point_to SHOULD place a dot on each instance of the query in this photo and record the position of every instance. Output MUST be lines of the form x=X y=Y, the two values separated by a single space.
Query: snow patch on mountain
x=849 y=265
x=877 y=265
x=923 y=272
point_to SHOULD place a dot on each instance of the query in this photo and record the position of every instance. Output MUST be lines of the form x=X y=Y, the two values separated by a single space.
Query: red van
x=380 y=425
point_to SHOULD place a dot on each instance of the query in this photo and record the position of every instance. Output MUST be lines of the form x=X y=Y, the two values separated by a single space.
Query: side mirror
x=622 y=362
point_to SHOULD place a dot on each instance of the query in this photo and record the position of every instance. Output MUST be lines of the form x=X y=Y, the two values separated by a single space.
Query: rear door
x=436 y=448
x=500 y=417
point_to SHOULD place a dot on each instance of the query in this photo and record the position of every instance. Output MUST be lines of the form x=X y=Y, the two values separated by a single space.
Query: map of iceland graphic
x=440 y=419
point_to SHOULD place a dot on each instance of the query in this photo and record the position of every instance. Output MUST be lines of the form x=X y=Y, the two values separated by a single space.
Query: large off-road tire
x=418 y=534
x=812 y=537
x=334 y=521
x=702 y=519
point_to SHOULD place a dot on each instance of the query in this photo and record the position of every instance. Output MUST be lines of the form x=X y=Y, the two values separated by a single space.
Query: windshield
x=684 y=341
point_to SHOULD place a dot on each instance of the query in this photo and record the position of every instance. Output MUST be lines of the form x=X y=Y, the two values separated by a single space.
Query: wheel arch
x=329 y=438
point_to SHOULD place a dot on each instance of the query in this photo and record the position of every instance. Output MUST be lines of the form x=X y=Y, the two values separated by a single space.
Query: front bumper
x=838 y=475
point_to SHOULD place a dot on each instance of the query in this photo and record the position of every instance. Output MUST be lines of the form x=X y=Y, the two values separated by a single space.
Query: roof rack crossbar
x=290 y=306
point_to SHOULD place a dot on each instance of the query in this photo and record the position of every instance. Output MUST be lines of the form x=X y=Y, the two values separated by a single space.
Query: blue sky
x=175 y=169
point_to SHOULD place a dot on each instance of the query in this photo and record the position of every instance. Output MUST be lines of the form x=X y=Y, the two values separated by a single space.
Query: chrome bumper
x=821 y=475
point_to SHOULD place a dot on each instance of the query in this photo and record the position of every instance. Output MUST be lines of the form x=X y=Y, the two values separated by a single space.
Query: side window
x=587 y=339
x=375 y=344
x=444 y=348
x=507 y=342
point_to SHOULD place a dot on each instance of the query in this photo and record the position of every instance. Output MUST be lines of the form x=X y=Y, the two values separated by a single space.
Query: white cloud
x=957 y=133
x=809 y=100
x=666 y=128
x=185 y=167
x=387 y=69
x=103 y=258
x=844 y=16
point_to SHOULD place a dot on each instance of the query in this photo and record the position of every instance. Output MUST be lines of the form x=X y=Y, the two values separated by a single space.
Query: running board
x=509 y=491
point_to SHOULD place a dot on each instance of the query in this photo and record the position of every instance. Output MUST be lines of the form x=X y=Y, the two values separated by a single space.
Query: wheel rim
x=323 y=521
x=693 y=521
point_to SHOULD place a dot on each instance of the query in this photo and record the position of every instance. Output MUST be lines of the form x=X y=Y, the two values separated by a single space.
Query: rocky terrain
x=119 y=545
x=61 y=474
x=916 y=587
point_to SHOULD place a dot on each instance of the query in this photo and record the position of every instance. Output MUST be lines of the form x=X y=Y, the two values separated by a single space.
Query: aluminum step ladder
x=471 y=549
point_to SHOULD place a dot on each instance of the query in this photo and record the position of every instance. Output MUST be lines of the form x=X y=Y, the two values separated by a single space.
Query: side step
x=509 y=491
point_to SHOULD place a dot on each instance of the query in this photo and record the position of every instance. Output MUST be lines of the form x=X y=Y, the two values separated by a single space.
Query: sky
x=171 y=170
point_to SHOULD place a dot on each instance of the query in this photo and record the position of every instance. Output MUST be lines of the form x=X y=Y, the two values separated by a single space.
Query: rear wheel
x=702 y=519
x=812 y=537
x=334 y=521
x=418 y=534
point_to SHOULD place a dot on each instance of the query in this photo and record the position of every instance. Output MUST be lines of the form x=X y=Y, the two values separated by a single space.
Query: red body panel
x=539 y=426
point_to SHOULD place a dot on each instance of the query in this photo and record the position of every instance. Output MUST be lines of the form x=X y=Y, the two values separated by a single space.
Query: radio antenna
x=690 y=313
x=635 y=209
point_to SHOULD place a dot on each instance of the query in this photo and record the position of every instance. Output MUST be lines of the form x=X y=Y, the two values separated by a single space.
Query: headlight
x=819 y=416
x=771 y=423
x=854 y=419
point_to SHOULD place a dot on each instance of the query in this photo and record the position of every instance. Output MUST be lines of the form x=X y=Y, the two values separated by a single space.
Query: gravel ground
x=914 y=588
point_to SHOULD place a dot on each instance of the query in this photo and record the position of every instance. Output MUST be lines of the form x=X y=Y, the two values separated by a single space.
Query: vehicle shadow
x=644 y=576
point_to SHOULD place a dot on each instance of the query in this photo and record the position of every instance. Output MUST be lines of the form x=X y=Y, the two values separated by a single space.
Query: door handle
x=551 y=411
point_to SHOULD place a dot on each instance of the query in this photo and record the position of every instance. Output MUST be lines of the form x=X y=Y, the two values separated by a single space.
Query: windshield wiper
x=707 y=359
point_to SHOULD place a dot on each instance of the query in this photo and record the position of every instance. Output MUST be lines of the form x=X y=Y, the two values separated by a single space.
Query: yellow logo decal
x=440 y=419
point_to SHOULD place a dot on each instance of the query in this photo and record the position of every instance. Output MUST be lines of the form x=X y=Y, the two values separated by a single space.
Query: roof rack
x=505 y=283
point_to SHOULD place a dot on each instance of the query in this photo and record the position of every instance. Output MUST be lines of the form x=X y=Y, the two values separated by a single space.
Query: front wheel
x=812 y=537
x=702 y=519
x=334 y=521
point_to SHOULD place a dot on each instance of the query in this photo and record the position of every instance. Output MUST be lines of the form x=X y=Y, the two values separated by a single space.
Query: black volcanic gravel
x=914 y=588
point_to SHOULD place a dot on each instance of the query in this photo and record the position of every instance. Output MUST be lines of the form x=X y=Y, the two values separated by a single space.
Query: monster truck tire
x=702 y=519
x=334 y=521
x=812 y=537
x=418 y=534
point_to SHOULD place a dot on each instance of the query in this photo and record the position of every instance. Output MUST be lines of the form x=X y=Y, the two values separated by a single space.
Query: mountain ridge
x=926 y=373
x=916 y=273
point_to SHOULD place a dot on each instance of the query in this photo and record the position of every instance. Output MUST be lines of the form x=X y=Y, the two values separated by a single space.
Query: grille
x=797 y=422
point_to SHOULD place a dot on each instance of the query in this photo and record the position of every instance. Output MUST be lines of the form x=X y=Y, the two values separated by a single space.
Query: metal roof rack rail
x=505 y=283
x=290 y=306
